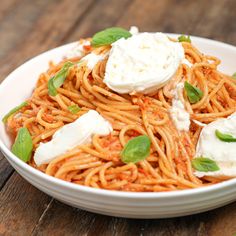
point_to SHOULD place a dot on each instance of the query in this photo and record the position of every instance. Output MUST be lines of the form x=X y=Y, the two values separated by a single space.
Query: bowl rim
x=103 y=192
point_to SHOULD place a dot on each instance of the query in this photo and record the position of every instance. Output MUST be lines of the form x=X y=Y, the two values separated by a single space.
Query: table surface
x=28 y=28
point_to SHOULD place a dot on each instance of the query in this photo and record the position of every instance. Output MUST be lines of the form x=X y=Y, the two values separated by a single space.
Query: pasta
x=98 y=164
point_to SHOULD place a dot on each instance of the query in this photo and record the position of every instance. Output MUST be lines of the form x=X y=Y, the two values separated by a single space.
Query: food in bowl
x=130 y=111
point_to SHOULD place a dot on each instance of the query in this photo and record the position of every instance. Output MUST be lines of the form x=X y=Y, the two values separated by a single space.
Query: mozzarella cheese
x=223 y=153
x=143 y=63
x=71 y=135
x=92 y=59
x=178 y=114
x=78 y=49
x=134 y=30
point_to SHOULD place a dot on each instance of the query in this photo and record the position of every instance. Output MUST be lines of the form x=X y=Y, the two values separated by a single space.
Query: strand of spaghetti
x=161 y=122
x=117 y=184
x=219 y=107
x=89 y=89
x=151 y=170
x=154 y=142
x=27 y=122
x=124 y=107
x=90 y=174
x=155 y=181
x=43 y=103
x=110 y=109
x=67 y=168
x=89 y=150
x=109 y=94
x=228 y=99
x=46 y=124
x=179 y=179
x=102 y=173
x=189 y=166
x=163 y=100
x=211 y=116
x=54 y=165
x=167 y=147
x=69 y=93
x=60 y=102
x=216 y=89
x=86 y=94
x=68 y=114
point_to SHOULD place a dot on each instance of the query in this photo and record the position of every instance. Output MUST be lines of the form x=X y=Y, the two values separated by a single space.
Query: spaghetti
x=98 y=164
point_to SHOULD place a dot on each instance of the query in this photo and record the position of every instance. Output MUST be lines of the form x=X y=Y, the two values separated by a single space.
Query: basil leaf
x=224 y=137
x=194 y=94
x=108 y=36
x=234 y=75
x=12 y=111
x=184 y=38
x=58 y=79
x=23 y=145
x=51 y=88
x=136 y=149
x=74 y=108
x=204 y=164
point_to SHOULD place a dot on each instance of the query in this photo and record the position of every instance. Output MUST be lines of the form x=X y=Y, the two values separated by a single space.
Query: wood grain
x=5 y=170
x=46 y=32
x=21 y=206
x=12 y=30
x=30 y=27
x=100 y=16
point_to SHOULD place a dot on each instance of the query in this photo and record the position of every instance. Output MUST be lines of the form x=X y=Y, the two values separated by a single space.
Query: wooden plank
x=163 y=16
x=46 y=32
x=21 y=206
x=222 y=222
x=101 y=16
x=211 y=223
x=7 y=6
x=5 y=170
x=147 y=15
x=64 y=220
x=18 y=21
x=217 y=23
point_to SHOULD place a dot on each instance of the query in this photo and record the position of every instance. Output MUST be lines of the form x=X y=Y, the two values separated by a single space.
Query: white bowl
x=19 y=85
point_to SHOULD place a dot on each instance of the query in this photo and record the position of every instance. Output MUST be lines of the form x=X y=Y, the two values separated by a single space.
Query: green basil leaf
x=194 y=94
x=12 y=111
x=58 y=79
x=108 y=36
x=51 y=88
x=224 y=137
x=74 y=108
x=234 y=75
x=136 y=149
x=204 y=164
x=184 y=38
x=23 y=145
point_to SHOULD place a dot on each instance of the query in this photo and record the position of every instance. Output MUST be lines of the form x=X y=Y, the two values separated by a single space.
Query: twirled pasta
x=98 y=164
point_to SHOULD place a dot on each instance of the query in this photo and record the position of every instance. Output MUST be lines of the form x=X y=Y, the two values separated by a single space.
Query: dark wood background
x=28 y=28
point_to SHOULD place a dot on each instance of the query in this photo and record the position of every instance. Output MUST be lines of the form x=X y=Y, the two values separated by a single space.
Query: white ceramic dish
x=19 y=85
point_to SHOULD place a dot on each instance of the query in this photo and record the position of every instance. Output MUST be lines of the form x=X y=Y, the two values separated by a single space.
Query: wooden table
x=28 y=28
